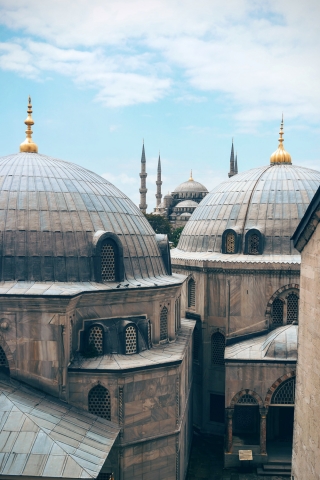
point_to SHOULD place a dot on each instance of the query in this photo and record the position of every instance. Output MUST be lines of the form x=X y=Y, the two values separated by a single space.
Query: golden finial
x=28 y=145
x=191 y=179
x=280 y=156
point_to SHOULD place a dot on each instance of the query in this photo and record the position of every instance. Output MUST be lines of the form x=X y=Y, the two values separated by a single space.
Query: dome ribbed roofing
x=190 y=186
x=187 y=203
x=272 y=199
x=49 y=211
x=281 y=343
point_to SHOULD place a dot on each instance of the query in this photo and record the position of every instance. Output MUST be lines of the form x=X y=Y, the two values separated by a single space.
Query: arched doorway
x=246 y=421
x=281 y=412
x=4 y=365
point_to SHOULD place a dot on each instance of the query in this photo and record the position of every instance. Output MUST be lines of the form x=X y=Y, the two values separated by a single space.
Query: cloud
x=259 y=57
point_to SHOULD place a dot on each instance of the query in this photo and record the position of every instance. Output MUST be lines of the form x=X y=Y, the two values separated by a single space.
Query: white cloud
x=261 y=56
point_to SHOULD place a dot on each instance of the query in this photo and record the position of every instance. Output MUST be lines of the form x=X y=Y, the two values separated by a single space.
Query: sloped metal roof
x=43 y=437
x=49 y=211
x=271 y=198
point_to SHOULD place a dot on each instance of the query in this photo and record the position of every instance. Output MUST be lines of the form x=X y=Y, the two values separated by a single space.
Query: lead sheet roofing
x=44 y=437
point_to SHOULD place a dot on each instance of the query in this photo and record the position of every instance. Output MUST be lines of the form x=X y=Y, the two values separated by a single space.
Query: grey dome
x=49 y=212
x=187 y=203
x=271 y=199
x=190 y=186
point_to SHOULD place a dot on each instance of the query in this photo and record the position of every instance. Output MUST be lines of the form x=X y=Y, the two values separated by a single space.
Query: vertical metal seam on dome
x=249 y=203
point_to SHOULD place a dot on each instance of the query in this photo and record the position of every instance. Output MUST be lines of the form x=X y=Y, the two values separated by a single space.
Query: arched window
x=247 y=399
x=277 y=313
x=284 y=394
x=217 y=348
x=108 y=262
x=230 y=243
x=254 y=244
x=131 y=340
x=164 y=324
x=191 y=293
x=95 y=339
x=246 y=417
x=99 y=402
x=292 y=308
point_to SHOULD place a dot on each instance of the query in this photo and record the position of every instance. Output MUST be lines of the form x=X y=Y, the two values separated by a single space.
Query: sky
x=185 y=76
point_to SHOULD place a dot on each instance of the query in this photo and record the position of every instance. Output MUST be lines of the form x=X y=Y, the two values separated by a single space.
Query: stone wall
x=232 y=298
x=306 y=444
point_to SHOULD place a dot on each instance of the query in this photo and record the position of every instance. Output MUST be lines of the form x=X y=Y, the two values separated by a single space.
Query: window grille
x=284 y=395
x=177 y=314
x=277 y=313
x=191 y=293
x=96 y=339
x=247 y=400
x=99 y=402
x=245 y=419
x=164 y=324
x=131 y=340
x=196 y=343
x=292 y=308
x=3 y=358
x=217 y=348
x=254 y=241
x=108 y=268
x=149 y=335
x=230 y=243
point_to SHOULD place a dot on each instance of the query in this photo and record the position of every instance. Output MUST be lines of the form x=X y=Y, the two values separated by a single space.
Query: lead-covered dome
x=268 y=200
x=190 y=186
x=50 y=213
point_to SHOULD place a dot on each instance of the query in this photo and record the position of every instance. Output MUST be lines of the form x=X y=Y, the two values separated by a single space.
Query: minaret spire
x=143 y=190
x=159 y=183
x=232 y=172
x=28 y=145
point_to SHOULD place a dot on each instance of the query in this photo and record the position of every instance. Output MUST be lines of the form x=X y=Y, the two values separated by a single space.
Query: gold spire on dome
x=191 y=179
x=280 y=156
x=28 y=145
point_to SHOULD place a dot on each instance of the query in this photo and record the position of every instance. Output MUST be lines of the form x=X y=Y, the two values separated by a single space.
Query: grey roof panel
x=31 y=445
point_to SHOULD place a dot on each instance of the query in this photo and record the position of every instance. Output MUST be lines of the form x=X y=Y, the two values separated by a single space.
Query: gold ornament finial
x=281 y=156
x=191 y=179
x=28 y=145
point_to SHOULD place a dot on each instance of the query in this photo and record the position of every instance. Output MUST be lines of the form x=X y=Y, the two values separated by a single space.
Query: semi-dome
x=279 y=345
x=269 y=200
x=186 y=204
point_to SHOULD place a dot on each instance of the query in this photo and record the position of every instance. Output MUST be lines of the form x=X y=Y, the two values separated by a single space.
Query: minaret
x=236 y=165
x=159 y=183
x=143 y=190
x=232 y=172
x=28 y=145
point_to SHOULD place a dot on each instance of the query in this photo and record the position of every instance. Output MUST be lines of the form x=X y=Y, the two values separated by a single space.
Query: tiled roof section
x=75 y=288
x=158 y=355
x=280 y=345
x=49 y=212
x=42 y=437
x=272 y=199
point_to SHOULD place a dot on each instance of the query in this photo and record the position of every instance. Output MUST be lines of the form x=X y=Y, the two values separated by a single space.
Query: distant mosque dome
x=191 y=186
x=186 y=204
x=254 y=212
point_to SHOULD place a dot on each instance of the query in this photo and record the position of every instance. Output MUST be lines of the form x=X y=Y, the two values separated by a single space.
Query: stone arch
x=289 y=286
x=276 y=384
x=246 y=391
x=9 y=355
